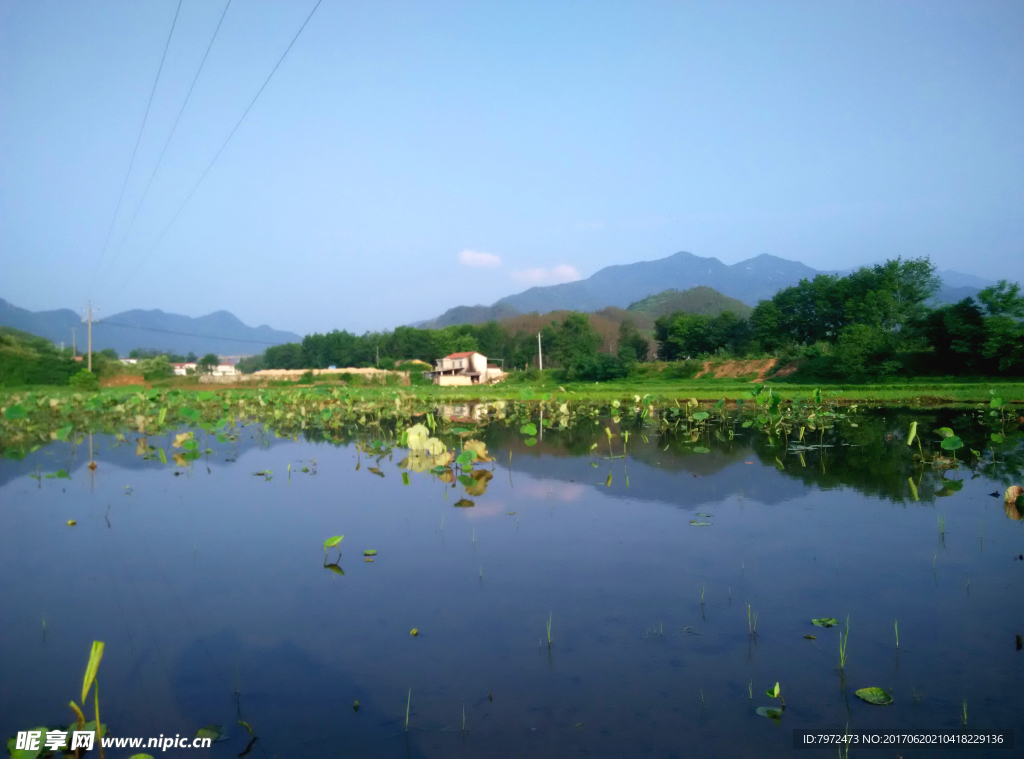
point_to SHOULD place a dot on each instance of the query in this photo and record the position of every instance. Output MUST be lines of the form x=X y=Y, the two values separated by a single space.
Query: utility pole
x=90 y=337
x=540 y=356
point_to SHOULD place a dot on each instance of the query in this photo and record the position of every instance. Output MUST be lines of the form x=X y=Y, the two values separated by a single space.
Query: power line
x=185 y=334
x=135 y=150
x=221 y=150
x=163 y=152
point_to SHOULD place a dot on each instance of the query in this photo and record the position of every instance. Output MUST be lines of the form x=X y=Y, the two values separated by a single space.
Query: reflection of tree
x=873 y=457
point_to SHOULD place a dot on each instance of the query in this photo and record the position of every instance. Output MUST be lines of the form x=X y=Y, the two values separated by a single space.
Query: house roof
x=460 y=355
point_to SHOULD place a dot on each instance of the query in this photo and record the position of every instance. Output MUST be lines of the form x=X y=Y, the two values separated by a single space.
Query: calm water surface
x=208 y=585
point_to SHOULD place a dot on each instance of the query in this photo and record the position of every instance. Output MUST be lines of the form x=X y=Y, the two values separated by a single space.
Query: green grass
x=948 y=392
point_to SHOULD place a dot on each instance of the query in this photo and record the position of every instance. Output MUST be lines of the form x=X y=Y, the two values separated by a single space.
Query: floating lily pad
x=369 y=552
x=811 y=637
x=464 y=503
x=770 y=711
x=952 y=443
x=214 y=732
x=695 y=523
x=526 y=429
x=825 y=622
x=875 y=696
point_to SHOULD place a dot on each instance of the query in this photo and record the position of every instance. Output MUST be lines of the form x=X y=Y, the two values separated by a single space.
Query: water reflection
x=207 y=585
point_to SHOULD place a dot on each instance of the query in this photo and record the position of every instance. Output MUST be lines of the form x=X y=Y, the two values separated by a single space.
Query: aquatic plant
x=751 y=622
x=550 y=616
x=843 y=641
x=875 y=696
x=770 y=711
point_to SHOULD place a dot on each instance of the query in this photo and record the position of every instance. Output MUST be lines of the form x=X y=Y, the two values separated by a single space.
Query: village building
x=219 y=370
x=467 y=368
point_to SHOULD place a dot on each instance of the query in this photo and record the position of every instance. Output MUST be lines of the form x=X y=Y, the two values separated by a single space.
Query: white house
x=467 y=368
x=220 y=370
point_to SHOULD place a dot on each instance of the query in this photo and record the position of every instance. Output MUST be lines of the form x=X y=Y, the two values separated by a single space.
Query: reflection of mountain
x=685 y=479
x=106 y=450
x=872 y=457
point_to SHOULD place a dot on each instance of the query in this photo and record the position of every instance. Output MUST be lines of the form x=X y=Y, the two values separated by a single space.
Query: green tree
x=633 y=346
x=1003 y=299
x=207 y=363
x=574 y=340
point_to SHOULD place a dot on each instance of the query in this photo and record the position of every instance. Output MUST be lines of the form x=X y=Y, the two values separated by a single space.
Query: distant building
x=468 y=368
x=220 y=370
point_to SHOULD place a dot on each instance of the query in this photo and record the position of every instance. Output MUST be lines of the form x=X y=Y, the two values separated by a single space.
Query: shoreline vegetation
x=872 y=335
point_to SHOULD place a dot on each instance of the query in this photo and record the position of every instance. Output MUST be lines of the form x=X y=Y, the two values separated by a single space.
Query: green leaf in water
x=95 y=655
x=466 y=457
x=221 y=437
x=369 y=552
x=701 y=449
x=63 y=432
x=17 y=411
x=60 y=474
x=530 y=441
x=700 y=416
x=913 y=433
x=875 y=696
x=528 y=429
x=773 y=691
x=214 y=732
x=464 y=503
x=770 y=712
x=700 y=524
x=825 y=622
x=952 y=443
x=333 y=542
x=944 y=432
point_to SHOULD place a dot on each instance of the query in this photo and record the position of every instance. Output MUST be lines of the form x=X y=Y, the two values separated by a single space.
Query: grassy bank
x=908 y=393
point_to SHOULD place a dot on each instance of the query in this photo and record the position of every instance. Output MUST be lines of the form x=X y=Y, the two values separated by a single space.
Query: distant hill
x=220 y=332
x=469 y=315
x=747 y=282
x=705 y=301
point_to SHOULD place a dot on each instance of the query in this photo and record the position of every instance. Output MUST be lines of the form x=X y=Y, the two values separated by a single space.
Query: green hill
x=697 y=300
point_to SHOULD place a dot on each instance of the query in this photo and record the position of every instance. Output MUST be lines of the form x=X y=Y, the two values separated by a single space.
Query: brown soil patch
x=737 y=368
x=120 y=380
x=788 y=369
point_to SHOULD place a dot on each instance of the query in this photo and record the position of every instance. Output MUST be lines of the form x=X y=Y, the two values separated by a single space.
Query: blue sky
x=399 y=143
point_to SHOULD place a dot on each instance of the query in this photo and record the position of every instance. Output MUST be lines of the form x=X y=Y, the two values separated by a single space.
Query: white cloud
x=553 y=276
x=479 y=258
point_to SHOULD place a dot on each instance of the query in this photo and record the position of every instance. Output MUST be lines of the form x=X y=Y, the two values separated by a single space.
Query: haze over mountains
x=680 y=281
x=220 y=332
x=748 y=281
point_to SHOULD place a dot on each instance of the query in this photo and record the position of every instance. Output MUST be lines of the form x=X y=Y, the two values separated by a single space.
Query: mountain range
x=220 y=332
x=748 y=281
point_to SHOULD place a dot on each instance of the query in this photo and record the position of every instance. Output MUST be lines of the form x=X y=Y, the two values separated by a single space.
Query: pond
x=606 y=584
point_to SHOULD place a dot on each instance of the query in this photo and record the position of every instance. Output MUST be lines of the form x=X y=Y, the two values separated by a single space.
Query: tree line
x=874 y=322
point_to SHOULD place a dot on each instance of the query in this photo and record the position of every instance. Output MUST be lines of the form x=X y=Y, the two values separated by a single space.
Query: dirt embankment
x=122 y=380
x=759 y=368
